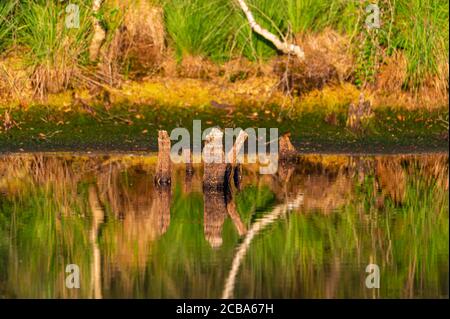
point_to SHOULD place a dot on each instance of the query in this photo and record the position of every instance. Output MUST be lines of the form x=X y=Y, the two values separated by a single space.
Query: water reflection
x=308 y=231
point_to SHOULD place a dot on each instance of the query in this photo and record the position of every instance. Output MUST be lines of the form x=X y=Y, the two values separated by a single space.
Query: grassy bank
x=408 y=54
x=134 y=127
x=164 y=63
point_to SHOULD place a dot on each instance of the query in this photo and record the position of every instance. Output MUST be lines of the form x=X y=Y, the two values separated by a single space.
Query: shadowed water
x=307 y=232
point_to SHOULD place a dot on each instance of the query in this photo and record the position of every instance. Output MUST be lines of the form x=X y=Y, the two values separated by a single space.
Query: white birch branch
x=287 y=48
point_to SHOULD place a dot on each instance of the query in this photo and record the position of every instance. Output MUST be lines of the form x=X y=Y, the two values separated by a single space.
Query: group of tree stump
x=221 y=176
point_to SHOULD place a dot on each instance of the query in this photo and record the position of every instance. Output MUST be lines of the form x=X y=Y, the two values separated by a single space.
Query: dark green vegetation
x=417 y=28
x=46 y=57
x=218 y=30
x=387 y=210
x=135 y=128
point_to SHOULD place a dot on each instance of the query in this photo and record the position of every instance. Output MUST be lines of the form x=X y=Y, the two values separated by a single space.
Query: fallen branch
x=287 y=48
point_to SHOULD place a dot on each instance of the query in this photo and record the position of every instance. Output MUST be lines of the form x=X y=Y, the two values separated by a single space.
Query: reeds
x=53 y=50
x=217 y=30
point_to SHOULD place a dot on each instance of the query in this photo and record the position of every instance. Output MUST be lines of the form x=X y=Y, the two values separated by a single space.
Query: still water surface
x=307 y=232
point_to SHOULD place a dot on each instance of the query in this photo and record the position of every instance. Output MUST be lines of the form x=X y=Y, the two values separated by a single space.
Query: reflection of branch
x=254 y=230
x=97 y=218
x=240 y=226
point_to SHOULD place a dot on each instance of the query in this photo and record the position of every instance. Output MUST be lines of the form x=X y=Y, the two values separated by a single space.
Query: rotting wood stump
x=163 y=167
x=214 y=166
x=218 y=168
x=286 y=150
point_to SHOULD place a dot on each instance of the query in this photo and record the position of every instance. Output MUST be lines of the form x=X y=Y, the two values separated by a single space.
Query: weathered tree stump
x=214 y=166
x=286 y=150
x=163 y=167
x=218 y=167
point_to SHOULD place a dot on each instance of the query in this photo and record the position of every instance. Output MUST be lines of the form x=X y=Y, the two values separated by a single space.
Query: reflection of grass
x=38 y=242
x=325 y=256
x=310 y=253
x=191 y=268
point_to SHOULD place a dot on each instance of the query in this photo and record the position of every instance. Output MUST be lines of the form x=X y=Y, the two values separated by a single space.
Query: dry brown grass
x=137 y=47
x=196 y=67
x=392 y=75
x=238 y=81
x=15 y=84
x=53 y=77
x=143 y=37
x=332 y=48
x=328 y=60
x=391 y=179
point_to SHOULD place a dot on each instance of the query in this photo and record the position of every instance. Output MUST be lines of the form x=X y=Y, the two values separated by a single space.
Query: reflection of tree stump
x=215 y=212
x=163 y=173
x=187 y=185
x=217 y=176
x=283 y=177
x=98 y=216
x=187 y=158
x=285 y=171
x=237 y=176
x=161 y=208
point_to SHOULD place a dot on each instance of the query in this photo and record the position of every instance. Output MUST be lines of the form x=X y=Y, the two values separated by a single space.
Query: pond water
x=308 y=231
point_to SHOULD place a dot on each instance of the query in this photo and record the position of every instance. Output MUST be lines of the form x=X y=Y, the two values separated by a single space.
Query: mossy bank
x=132 y=127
